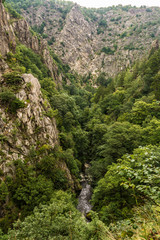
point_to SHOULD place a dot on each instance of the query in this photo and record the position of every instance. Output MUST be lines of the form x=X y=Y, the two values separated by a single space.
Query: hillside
x=32 y=162
x=54 y=123
x=93 y=40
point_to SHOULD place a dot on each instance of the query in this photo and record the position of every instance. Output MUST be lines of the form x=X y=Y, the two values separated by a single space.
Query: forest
x=115 y=128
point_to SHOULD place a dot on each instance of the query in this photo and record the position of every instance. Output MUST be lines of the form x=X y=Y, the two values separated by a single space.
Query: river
x=84 y=198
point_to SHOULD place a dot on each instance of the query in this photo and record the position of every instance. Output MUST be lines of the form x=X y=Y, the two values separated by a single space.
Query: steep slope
x=21 y=130
x=22 y=31
x=115 y=128
x=32 y=163
x=7 y=39
x=93 y=40
x=108 y=44
x=28 y=91
x=25 y=119
x=73 y=42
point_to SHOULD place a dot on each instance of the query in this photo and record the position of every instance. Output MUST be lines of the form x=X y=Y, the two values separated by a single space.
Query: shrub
x=130 y=46
x=124 y=34
x=12 y=78
x=148 y=10
x=99 y=31
x=11 y=11
x=107 y=50
x=132 y=181
x=103 y=23
x=8 y=99
x=51 y=41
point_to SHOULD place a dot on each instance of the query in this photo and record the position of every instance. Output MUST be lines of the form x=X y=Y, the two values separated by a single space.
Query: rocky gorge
x=30 y=126
x=95 y=40
x=79 y=144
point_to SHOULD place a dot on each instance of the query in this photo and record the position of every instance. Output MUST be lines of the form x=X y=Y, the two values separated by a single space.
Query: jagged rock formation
x=104 y=40
x=76 y=36
x=155 y=44
x=22 y=30
x=116 y=47
x=7 y=36
x=31 y=126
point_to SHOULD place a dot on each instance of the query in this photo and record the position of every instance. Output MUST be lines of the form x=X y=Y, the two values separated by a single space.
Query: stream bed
x=84 y=198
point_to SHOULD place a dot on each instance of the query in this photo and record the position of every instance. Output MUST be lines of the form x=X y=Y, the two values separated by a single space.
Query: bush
x=103 y=23
x=9 y=100
x=58 y=220
x=107 y=50
x=129 y=183
x=129 y=47
x=99 y=31
x=124 y=34
x=11 y=11
x=12 y=78
x=148 y=10
x=51 y=41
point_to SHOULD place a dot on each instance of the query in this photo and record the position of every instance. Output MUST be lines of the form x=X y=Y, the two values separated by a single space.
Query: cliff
x=22 y=31
x=25 y=119
x=7 y=36
x=110 y=43
x=94 y=40
x=29 y=125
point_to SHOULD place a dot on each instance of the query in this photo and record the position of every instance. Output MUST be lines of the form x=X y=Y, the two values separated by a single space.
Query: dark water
x=84 y=198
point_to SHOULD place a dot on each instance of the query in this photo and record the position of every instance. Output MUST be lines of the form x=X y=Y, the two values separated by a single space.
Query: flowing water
x=84 y=198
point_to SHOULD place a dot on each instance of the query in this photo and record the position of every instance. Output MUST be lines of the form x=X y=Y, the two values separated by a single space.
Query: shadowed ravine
x=84 y=198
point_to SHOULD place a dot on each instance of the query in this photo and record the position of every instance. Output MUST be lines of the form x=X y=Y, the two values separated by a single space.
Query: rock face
x=76 y=36
x=104 y=40
x=30 y=126
x=155 y=44
x=109 y=44
x=22 y=30
x=33 y=126
x=34 y=116
x=7 y=36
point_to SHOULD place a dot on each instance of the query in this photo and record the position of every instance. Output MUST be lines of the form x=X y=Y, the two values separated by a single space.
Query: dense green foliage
x=31 y=61
x=10 y=101
x=11 y=11
x=34 y=182
x=130 y=107
x=115 y=128
x=107 y=50
x=133 y=180
x=58 y=220
x=39 y=175
x=126 y=177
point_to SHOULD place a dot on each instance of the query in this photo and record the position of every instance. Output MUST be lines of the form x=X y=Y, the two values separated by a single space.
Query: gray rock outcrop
x=33 y=126
x=96 y=40
x=7 y=36
x=39 y=46
x=30 y=126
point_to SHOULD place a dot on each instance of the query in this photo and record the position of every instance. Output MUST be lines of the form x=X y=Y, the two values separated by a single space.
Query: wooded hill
x=93 y=40
x=115 y=128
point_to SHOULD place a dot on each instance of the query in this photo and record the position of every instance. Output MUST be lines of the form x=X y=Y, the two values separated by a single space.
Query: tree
x=120 y=139
x=130 y=182
x=103 y=80
x=156 y=85
x=58 y=220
